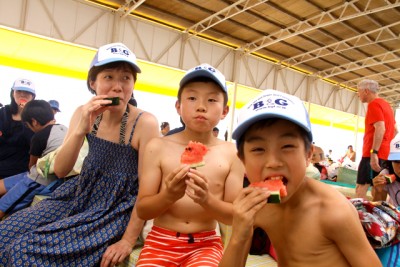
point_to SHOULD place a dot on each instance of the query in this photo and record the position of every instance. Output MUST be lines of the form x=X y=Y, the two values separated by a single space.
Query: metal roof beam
x=379 y=76
x=359 y=40
x=321 y=20
x=223 y=15
x=129 y=6
x=361 y=64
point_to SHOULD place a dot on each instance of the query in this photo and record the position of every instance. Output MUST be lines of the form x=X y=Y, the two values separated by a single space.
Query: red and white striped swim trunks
x=167 y=248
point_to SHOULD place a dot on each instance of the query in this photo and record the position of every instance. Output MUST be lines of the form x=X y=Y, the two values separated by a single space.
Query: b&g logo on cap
x=119 y=50
x=270 y=103
x=26 y=82
x=203 y=67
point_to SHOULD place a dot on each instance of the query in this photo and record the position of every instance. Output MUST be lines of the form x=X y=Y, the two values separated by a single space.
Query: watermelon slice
x=390 y=178
x=275 y=186
x=22 y=103
x=193 y=154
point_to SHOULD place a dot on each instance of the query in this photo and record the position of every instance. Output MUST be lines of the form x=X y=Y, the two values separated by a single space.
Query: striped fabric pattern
x=168 y=248
x=226 y=231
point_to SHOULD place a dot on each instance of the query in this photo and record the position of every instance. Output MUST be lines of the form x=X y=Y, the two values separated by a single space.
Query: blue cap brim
x=26 y=89
x=111 y=60
x=240 y=130
x=394 y=156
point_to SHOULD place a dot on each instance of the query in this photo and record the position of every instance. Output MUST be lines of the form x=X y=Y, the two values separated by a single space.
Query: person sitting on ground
x=273 y=138
x=389 y=191
x=186 y=202
x=55 y=106
x=92 y=214
x=164 y=128
x=178 y=129
x=382 y=187
x=350 y=154
x=18 y=191
x=215 y=131
x=15 y=137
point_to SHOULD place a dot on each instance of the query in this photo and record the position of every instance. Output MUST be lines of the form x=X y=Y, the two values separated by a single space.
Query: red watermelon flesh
x=193 y=154
x=275 y=186
x=390 y=178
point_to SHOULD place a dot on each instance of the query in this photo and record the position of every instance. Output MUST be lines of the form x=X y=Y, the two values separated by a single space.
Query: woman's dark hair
x=205 y=80
x=14 y=105
x=94 y=71
x=265 y=123
x=40 y=110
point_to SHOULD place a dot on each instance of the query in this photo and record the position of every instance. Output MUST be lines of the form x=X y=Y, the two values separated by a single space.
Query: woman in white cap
x=85 y=221
x=15 y=137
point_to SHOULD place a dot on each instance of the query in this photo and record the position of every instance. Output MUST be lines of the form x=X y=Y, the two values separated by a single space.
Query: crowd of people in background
x=103 y=208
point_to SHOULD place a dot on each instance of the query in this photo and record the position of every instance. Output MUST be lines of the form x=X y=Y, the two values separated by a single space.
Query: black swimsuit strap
x=121 y=130
x=134 y=126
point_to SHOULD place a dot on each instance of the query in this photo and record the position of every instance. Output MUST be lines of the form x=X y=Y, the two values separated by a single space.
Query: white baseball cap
x=273 y=104
x=205 y=70
x=24 y=85
x=395 y=148
x=112 y=53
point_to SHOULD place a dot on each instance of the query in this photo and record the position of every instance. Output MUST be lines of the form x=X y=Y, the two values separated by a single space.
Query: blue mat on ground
x=338 y=183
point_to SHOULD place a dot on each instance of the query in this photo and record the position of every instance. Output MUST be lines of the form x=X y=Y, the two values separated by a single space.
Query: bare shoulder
x=156 y=144
x=226 y=147
x=332 y=201
x=145 y=119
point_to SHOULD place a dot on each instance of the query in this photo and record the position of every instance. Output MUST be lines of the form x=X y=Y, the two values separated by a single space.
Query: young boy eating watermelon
x=314 y=225
x=187 y=201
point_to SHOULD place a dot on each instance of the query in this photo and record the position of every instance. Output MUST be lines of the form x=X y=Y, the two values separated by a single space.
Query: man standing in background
x=379 y=131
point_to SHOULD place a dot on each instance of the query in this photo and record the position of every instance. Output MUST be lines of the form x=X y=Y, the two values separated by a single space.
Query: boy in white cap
x=384 y=186
x=314 y=225
x=186 y=203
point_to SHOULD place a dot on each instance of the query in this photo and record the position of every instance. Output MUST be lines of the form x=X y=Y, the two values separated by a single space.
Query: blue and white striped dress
x=83 y=217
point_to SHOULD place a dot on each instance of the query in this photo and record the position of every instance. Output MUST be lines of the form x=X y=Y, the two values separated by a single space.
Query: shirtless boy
x=314 y=225
x=185 y=202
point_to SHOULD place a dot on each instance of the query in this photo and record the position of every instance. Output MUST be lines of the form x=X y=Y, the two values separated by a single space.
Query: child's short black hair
x=265 y=123
x=205 y=80
x=40 y=110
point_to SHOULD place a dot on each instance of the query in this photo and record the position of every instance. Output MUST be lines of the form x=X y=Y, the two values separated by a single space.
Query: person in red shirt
x=380 y=128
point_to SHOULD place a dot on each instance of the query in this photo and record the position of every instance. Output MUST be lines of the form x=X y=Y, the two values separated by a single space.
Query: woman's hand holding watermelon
x=197 y=186
x=89 y=112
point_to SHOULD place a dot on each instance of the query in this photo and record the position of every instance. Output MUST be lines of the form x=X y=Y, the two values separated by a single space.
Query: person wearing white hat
x=388 y=181
x=274 y=141
x=90 y=220
x=15 y=137
x=186 y=202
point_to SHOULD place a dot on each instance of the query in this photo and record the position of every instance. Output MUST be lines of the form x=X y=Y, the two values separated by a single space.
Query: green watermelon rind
x=198 y=164
x=390 y=178
x=274 y=198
